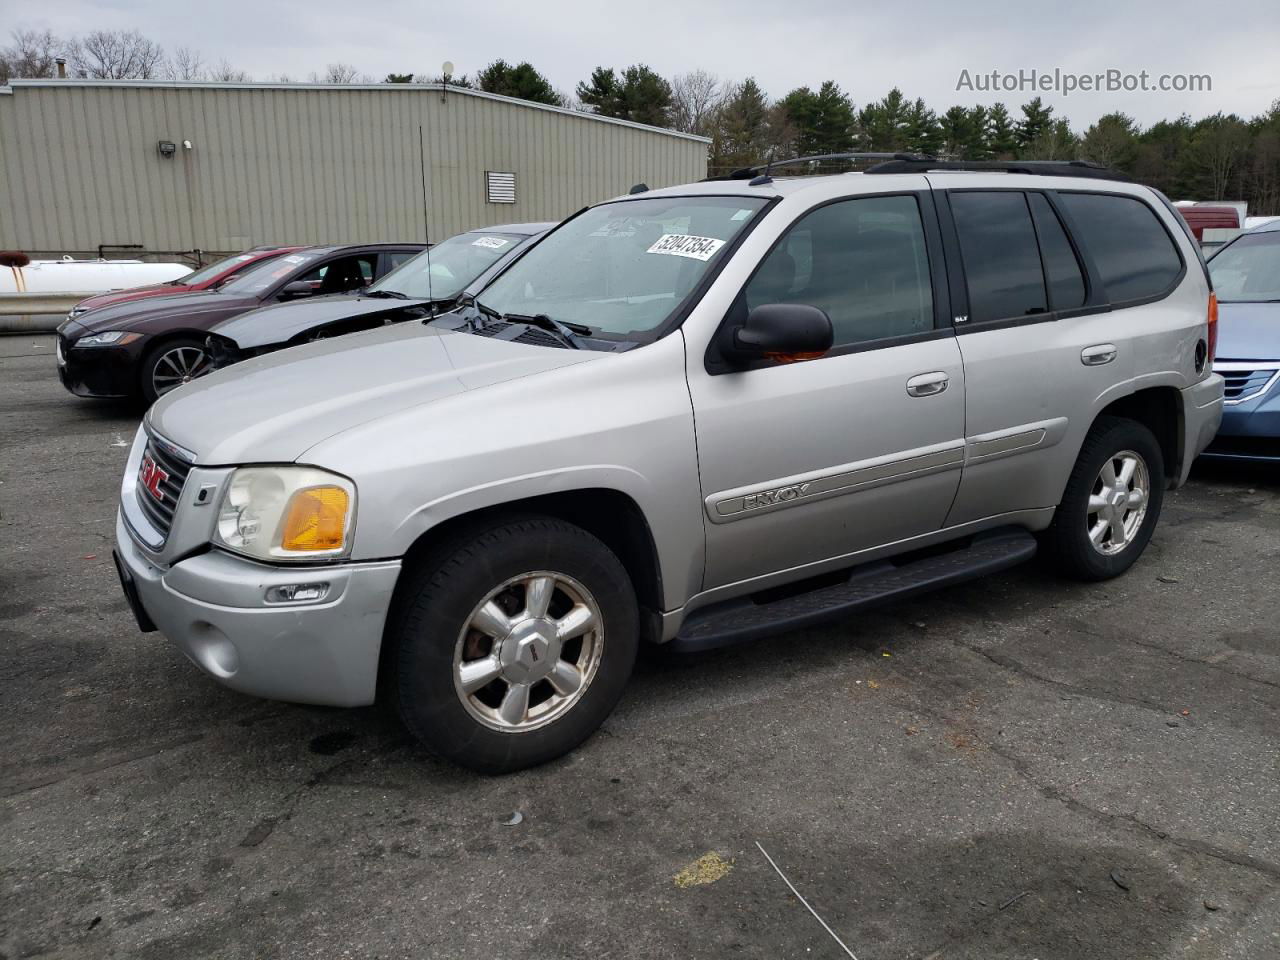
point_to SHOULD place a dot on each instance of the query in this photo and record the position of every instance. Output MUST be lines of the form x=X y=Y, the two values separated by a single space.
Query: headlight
x=287 y=513
x=105 y=339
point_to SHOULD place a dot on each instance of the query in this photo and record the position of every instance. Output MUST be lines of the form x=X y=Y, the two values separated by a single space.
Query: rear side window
x=1135 y=255
x=1001 y=258
x=863 y=261
x=1061 y=268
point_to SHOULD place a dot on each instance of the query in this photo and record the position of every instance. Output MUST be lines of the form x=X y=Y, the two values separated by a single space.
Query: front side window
x=1248 y=269
x=342 y=275
x=1135 y=255
x=442 y=272
x=1001 y=258
x=623 y=268
x=862 y=261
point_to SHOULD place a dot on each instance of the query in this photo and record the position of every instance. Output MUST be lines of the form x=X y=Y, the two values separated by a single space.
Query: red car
x=206 y=278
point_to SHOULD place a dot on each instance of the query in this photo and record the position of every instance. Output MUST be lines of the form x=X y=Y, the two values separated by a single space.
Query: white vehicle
x=84 y=276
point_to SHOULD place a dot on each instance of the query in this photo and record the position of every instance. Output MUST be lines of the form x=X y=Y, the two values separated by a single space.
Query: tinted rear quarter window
x=1001 y=260
x=1061 y=268
x=1135 y=255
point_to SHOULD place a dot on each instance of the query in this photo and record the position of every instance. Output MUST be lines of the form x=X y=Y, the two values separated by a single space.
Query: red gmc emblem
x=151 y=476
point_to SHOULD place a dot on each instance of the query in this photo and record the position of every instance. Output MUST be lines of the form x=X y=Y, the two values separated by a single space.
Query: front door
x=805 y=462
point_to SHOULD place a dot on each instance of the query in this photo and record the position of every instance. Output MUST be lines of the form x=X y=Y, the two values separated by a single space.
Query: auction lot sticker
x=493 y=243
x=686 y=245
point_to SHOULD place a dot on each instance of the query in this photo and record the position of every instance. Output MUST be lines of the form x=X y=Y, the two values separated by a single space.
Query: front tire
x=511 y=645
x=1111 y=503
x=171 y=364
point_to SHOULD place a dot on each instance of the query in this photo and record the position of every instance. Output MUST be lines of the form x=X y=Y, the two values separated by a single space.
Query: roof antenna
x=764 y=178
x=638 y=188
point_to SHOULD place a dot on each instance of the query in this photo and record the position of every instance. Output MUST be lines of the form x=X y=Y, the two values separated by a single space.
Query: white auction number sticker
x=493 y=243
x=686 y=245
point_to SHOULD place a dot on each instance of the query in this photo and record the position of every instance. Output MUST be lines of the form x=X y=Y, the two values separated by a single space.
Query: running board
x=865 y=586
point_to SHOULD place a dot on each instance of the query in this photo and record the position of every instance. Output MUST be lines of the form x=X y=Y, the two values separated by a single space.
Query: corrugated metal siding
x=79 y=165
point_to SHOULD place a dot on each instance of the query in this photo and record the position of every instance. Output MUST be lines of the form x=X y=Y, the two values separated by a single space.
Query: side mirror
x=296 y=289
x=782 y=332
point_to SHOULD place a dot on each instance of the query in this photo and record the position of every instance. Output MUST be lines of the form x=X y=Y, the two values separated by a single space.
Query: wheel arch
x=610 y=515
x=1159 y=409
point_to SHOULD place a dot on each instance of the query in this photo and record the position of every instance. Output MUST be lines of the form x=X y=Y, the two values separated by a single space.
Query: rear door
x=1041 y=329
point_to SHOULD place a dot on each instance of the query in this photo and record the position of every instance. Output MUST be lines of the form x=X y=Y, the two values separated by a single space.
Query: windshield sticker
x=295 y=258
x=493 y=243
x=686 y=245
x=741 y=215
x=244 y=256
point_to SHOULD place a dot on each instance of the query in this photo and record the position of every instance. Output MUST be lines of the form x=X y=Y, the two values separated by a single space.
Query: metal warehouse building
x=220 y=167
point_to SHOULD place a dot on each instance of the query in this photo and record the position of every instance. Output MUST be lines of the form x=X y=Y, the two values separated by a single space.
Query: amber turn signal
x=316 y=520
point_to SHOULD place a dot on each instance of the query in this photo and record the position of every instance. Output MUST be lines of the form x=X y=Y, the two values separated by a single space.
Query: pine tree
x=1035 y=122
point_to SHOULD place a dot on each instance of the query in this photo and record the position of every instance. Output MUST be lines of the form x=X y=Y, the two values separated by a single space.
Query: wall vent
x=499 y=187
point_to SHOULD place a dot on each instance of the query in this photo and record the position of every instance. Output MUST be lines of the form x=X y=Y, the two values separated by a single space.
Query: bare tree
x=187 y=64
x=117 y=55
x=31 y=54
x=694 y=98
x=224 y=72
x=337 y=73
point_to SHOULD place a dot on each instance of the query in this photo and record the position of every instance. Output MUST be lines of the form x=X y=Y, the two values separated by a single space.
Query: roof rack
x=1043 y=168
x=754 y=173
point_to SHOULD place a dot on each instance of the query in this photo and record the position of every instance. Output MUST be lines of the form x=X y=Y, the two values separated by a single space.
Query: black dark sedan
x=429 y=283
x=147 y=347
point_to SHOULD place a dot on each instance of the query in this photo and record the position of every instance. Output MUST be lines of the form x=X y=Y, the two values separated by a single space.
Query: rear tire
x=1111 y=503
x=170 y=364
x=511 y=645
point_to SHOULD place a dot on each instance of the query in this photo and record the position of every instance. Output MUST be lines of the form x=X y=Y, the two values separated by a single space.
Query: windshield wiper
x=386 y=294
x=566 y=329
x=569 y=332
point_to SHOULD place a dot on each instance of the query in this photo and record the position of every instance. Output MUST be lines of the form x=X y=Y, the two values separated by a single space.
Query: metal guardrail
x=35 y=312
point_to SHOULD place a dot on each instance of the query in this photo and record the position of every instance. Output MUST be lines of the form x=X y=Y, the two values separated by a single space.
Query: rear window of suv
x=1134 y=253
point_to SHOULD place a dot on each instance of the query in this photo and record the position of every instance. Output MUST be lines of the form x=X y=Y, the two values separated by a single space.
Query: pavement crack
x=1016 y=666
x=1191 y=845
x=1184 y=658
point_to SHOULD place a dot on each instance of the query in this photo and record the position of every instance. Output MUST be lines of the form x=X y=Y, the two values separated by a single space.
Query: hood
x=133 y=293
x=281 y=322
x=1249 y=331
x=199 y=308
x=273 y=408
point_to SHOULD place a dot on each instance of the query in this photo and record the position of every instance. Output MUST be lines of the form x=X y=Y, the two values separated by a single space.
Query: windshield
x=212 y=270
x=261 y=276
x=1248 y=270
x=622 y=268
x=444 y=271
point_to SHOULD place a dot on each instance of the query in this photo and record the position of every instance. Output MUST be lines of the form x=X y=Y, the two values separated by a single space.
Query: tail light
x=1213 y=328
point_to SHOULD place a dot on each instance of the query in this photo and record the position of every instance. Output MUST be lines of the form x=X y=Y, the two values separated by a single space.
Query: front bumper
x=212 y=607
x=104 y=372
x=1250 y=429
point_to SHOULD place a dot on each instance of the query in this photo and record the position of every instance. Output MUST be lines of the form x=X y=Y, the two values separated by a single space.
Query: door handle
x=1098 y=354
x=927 y=384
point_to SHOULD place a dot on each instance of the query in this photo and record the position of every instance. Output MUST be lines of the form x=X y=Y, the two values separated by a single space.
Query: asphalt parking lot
x=1016 y=768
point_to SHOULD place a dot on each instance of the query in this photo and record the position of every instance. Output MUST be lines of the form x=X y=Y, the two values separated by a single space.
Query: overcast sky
x=921 y=47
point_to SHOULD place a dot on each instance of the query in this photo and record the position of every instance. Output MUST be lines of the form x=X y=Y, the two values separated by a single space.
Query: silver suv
x=687 y=416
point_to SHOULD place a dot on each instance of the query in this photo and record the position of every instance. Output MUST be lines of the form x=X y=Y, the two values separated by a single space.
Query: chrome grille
x=176 y=467
x=1244 y=382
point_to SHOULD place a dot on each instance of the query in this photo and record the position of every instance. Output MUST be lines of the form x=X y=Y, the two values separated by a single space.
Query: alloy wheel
x=1118 y=502
x=176 y=366
x=528 y=651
